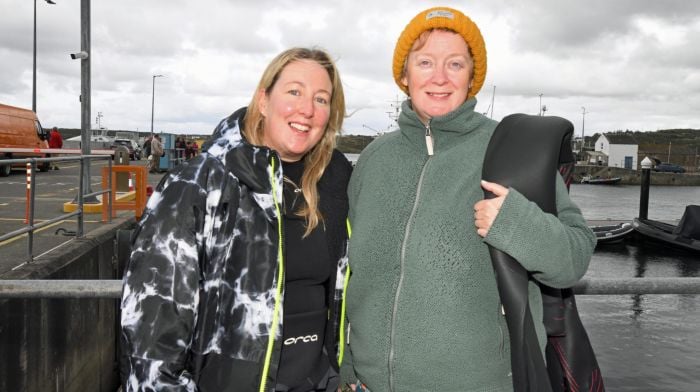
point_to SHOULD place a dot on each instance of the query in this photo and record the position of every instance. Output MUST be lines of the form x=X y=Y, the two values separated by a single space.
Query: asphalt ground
x=53 y=189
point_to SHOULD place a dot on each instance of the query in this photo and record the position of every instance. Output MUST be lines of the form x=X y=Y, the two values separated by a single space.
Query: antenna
x=98 y=120
x=395 y=111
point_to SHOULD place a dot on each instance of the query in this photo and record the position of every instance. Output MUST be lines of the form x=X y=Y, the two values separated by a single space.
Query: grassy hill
x=353 y=144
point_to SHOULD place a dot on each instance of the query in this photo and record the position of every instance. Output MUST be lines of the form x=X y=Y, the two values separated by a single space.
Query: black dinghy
x=685 y=235
x=612 y=234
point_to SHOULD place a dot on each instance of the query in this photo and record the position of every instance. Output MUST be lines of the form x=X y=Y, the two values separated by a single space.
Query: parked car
x=131 y=145
x=669 y=168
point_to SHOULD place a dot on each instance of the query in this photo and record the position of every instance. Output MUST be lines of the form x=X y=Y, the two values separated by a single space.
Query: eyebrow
x=302 y=84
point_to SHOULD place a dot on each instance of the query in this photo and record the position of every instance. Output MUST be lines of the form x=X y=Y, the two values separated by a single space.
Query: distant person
x=235 y=281
x=55 y=141
x=423 y=306
x=180 y=147
x=147 y=147
x=156 y=153
x=189 y=152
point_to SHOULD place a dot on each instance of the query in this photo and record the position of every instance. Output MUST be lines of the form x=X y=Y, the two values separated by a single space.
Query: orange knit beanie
x=445 y=18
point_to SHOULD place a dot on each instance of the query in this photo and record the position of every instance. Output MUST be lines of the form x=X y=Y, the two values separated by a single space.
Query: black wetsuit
x=304 y=363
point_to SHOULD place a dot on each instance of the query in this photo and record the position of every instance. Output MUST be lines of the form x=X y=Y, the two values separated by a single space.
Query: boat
x=600 y=181
x=611 y=234
x=685 y=235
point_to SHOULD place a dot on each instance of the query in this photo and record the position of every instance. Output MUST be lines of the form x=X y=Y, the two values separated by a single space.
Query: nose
x=439 y=76
x=306 y=107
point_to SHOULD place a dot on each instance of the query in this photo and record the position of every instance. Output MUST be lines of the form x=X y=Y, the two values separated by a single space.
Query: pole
x=34 y=65
x=644 y=191
x=29 y=189
x=539 y=110
x=85 y=98
x=583 y=127
x=153 y=103
x=153 y=100
x=493 y=98
x=34 y=59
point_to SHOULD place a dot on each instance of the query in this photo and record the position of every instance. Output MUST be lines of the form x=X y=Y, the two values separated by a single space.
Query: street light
x=34 y=59
x=583 y=126
x=153 y=100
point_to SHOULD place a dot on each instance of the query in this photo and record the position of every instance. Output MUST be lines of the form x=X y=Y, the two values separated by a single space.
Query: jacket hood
x=250 y=164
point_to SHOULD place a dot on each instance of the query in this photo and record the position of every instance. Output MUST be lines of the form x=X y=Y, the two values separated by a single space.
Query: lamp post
x=583 y=126
x=153 y=100
x=539 y=110
x=34 y=59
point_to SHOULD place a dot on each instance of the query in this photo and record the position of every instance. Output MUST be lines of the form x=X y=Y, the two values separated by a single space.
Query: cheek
x=322 y=116
x=282 y=107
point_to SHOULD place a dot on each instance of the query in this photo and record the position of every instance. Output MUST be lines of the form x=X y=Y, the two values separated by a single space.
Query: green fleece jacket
x=422 y=303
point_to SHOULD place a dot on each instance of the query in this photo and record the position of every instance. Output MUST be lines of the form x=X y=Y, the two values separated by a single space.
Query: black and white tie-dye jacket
x=204 y=288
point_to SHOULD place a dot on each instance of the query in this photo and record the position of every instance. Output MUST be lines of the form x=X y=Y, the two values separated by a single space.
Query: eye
x=456 y=65
x=322 y=100
x=294 y=92
x=424 y=63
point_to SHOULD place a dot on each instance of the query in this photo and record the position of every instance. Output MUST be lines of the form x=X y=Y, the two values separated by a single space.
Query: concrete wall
x=634 y=177
x=63 y=344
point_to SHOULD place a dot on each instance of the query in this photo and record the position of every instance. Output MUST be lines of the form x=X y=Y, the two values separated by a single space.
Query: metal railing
x=31 y=187
x=105 y=289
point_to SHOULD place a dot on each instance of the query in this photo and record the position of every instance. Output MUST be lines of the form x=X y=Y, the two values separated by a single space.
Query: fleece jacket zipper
x=407 y=232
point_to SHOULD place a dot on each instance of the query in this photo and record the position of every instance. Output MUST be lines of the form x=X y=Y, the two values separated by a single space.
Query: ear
x=404 y=81
x=262 y=102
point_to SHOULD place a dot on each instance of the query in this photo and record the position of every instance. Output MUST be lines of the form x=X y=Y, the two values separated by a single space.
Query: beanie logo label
x=439 y=14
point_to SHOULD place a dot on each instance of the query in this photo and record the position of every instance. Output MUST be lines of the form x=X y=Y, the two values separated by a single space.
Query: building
x=615 y=150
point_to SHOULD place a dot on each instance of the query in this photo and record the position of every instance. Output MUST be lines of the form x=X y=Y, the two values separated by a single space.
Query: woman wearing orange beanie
x=423 y=306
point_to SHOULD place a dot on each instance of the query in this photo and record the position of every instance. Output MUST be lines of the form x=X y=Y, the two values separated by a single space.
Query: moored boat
x=600 y=180
x=685 y=235
x=610 y=234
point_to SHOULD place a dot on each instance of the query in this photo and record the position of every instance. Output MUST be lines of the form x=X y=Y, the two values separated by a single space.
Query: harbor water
x=643 y=342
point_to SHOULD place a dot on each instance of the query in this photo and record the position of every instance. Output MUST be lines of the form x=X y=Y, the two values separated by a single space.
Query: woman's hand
x=485 y=211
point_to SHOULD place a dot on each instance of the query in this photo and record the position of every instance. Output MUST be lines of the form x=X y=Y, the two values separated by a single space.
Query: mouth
x=300 y=127
x=438 y=95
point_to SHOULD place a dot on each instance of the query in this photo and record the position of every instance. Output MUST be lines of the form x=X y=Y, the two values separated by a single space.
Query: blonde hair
x=316 y=160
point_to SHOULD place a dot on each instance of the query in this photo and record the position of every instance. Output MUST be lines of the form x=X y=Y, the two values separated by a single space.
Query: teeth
x=439 y=94
x=300 y=127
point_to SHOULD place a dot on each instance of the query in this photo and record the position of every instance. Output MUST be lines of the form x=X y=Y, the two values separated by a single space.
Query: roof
x=596 y=154
x=620 y=138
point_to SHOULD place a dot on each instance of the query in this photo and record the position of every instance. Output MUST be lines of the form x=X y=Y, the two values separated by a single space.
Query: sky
x=631 y=64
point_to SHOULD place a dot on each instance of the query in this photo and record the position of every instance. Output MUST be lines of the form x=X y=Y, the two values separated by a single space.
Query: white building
x=616 y=150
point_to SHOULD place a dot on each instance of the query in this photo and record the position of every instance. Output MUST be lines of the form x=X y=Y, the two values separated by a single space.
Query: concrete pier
x=634 y=177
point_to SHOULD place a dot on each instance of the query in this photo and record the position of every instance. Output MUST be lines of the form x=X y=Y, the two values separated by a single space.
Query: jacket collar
x=447 y=130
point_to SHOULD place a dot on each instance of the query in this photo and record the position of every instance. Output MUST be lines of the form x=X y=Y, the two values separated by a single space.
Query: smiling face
x=438 y=74
x=296 y=109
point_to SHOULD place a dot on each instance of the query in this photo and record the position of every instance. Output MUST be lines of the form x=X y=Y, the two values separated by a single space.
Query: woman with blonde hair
x=235 y=281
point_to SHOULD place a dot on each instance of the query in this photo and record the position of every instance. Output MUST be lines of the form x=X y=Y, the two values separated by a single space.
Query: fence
x=103 y=289
x=31 y=188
